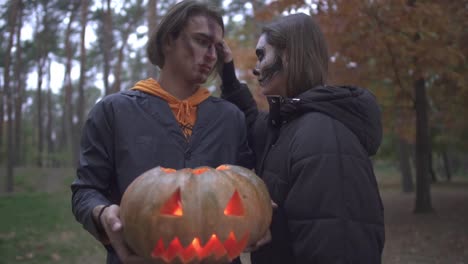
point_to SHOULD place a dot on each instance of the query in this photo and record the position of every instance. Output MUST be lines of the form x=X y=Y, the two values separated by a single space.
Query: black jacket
x=313 y=154
x=131 y=132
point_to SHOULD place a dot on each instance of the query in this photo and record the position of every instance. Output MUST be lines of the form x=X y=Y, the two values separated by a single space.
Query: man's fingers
x=116 y=225
x=111 y=218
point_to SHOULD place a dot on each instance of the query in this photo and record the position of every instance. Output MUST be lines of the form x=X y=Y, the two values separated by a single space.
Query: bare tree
x=67 y=117
x=405 y=166
x=81 y=96
x=12 y=19
x=423 y=202
x=49 y=124
x=134 y=17
x=19 y=85
x=151 y=23
x=108 y=43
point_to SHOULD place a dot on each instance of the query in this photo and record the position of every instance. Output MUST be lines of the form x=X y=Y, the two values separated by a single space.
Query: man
x=171 y=122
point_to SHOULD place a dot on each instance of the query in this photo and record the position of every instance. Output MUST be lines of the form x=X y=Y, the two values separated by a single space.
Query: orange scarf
x=185 y=111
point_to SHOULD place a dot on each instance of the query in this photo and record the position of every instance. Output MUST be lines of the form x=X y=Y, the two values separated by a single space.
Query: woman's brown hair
x=299 y=40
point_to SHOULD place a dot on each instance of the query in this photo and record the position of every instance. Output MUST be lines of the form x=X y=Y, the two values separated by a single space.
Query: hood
x=354 y=107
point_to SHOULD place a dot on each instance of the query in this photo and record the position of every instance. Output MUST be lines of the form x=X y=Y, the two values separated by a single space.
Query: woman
x=312 y=150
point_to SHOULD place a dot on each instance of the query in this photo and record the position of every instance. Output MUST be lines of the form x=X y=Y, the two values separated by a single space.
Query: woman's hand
x=265 y=239
x=225 y=51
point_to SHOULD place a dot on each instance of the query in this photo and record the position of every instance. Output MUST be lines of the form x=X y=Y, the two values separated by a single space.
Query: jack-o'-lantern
x=195 y=215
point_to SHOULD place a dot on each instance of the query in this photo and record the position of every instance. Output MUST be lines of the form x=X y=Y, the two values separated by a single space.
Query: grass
x=38 y=226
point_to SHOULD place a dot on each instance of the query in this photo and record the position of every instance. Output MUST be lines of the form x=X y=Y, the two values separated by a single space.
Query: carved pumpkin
x=195 y=215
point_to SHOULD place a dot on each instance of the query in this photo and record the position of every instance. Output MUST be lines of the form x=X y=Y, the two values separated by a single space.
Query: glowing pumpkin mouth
x=230 y=248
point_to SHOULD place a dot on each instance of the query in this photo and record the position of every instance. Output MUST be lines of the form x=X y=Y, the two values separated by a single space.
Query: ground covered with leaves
x=438 y=237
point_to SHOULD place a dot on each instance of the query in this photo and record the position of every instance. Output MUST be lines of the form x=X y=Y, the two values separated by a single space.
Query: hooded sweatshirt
x=185 y=111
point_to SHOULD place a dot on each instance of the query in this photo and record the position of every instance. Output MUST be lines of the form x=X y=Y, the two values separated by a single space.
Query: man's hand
x=110 y=221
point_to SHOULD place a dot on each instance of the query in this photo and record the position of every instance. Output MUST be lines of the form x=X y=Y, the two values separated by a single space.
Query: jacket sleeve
x=245 y=156
x=95 y=168
x=239 y=94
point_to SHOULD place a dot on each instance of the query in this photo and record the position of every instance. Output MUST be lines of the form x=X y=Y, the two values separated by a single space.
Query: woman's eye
x=260 y=55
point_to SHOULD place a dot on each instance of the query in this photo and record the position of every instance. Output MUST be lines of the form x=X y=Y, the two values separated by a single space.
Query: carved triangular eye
x=234 y=206
x=173 y=205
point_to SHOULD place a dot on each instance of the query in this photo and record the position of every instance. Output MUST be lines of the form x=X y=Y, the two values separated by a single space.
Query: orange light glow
x=230 y=248
x=168 y=170
x=234 y=206
x=173 y=205
x=223 y=167
x=199 y=171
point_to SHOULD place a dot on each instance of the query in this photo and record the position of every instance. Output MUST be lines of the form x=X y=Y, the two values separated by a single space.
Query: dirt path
x=440 y=237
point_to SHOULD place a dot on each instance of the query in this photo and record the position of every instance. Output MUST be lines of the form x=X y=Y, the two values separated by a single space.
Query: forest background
x=58 y=58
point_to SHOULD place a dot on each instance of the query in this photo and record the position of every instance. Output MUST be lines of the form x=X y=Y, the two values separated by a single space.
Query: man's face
x=269 y=69
x=193 y=54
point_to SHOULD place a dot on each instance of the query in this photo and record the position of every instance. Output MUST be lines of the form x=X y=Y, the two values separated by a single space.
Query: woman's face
x=270 y=69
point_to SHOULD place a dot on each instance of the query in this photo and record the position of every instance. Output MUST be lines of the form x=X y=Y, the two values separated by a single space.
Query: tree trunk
x=108 y=43
x=2 y=113
x=151 y=22
x=423 y=185
x=81 y=96
x=430 y=157
x=118 y=68
x=447 y=169
x=49 y=130
x=19 y=89
x=67 y=117
x=431 y=168
x=423 y=188
x=40 y=129
x=12 y=14
x=41 y=54
x=405 y=167
x=125 y=34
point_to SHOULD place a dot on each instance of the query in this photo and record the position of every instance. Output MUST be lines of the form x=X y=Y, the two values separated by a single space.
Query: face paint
x=270 y=69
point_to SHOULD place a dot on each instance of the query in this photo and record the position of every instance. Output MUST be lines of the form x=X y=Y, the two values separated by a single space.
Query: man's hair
x=300 y=39
x=173 y=23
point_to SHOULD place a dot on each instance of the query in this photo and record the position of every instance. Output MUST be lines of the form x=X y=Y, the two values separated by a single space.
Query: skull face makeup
x=269 y=69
